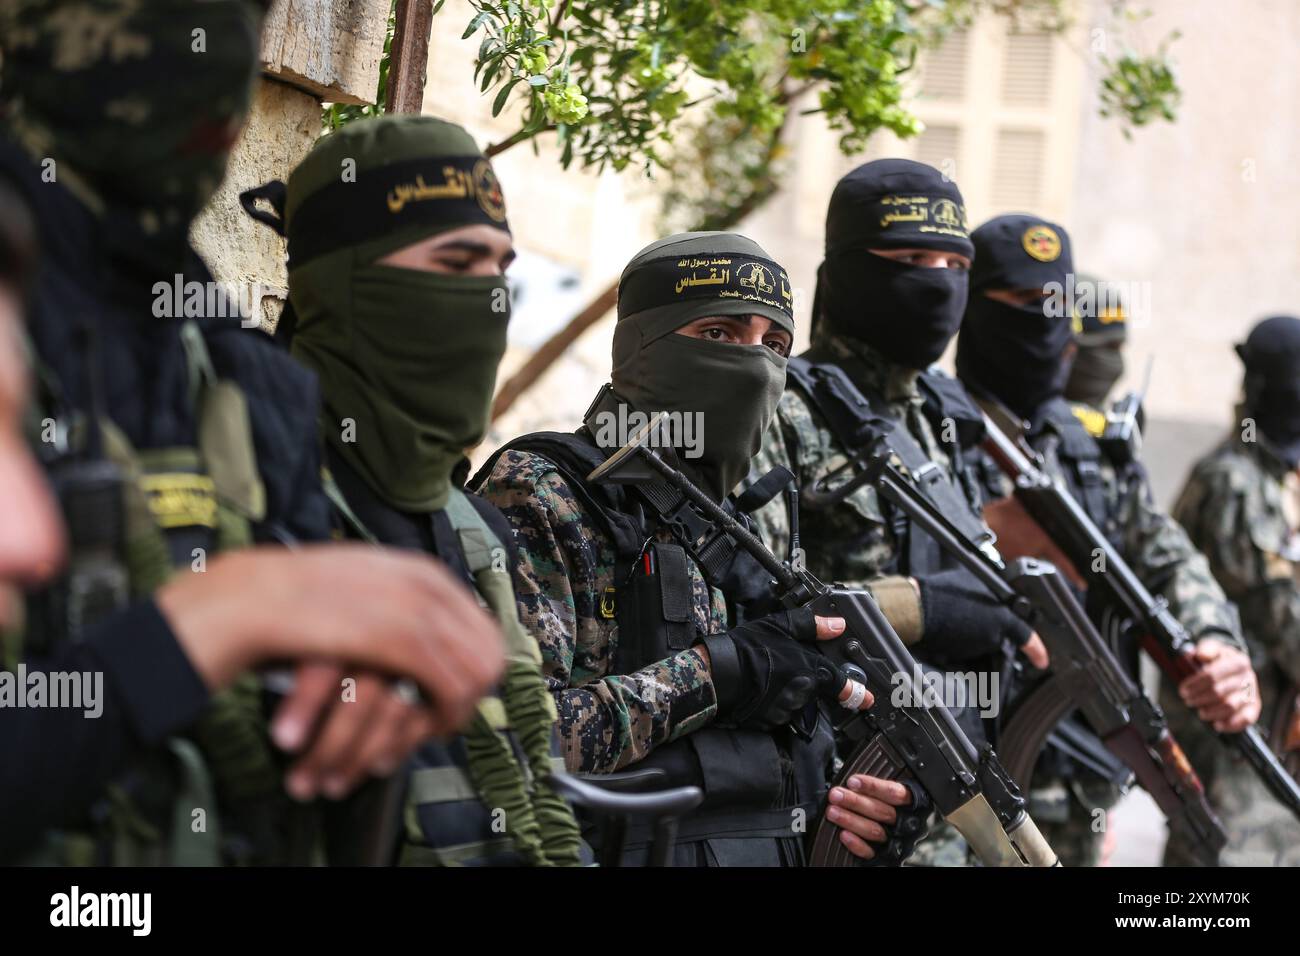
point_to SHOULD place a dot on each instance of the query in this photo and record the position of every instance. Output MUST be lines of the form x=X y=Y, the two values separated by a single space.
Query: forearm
x=619 y=719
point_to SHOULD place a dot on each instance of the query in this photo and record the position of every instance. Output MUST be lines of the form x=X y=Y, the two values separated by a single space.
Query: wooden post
x=410 y=56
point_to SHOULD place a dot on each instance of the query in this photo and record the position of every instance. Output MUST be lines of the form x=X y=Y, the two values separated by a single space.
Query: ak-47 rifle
x=1085 y=674
x=916 y=736
x=1160 y=633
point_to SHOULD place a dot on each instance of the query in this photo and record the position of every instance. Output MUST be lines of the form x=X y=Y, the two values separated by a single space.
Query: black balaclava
x=734 y=388
x=1271 y=354
x=1016 y=354
x=906 y=313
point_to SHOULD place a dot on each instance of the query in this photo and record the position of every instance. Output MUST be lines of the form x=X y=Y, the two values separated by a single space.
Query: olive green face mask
x=407 y=361
x=734 y=390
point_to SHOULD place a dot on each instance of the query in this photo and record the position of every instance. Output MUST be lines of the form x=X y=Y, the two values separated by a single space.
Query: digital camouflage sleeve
x=607 y=720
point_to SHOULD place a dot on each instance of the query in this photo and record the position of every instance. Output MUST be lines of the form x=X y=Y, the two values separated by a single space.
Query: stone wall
x=312 y=51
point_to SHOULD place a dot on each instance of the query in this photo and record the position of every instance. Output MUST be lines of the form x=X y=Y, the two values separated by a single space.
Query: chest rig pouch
x=859 y=419
x=173 y=508
x=1061 y=435
x=481 y=798
x=758 y=787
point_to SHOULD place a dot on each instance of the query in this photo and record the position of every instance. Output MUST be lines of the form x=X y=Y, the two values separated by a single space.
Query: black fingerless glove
x=763 y=675
x=907 y=831
x=961 y=619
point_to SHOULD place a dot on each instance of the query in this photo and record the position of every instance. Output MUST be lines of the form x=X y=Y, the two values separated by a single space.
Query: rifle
x=1085 y=673
x=906 y=731
x=1160 y=633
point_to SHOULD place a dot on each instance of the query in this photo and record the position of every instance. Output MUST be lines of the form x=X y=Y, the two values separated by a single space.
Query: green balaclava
x=407 y=359
x=137 y=102
x=733 y=388
x=1101 y=329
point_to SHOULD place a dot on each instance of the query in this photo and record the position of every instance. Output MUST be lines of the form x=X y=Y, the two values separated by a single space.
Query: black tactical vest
x=760 y=790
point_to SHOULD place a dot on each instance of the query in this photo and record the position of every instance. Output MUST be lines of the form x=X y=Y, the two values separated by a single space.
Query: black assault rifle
x=906 y=731
x=1160 y=633
x=1085 y=673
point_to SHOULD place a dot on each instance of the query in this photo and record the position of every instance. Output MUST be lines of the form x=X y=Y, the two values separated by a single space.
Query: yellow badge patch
x=181 y=500
x=1092 y=420
x=487 y=190
x=1042 y=243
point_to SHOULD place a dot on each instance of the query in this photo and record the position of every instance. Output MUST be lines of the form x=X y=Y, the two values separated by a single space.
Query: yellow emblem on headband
x=488 y=191
x=1042 y=243
x=753 y=276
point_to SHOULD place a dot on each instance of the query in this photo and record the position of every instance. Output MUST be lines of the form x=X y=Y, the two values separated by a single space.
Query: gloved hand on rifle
x=765 y=671
x=961 y=620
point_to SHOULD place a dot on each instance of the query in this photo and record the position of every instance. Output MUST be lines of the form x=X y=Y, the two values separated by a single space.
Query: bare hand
x=364 y=611
x=863 y=809
x=1225 y=693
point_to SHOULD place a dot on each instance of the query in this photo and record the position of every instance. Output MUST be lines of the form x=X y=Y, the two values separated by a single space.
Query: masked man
x=1241 y=507
x=1099 y=344
x=399 y=303
x=650 y=648
x=172 y=439
x=1014 y=352
x=890 y=295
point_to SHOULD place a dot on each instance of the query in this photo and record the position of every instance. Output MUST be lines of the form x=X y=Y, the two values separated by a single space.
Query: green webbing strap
x=335 y=495
x=527 y=700
x=188 y=847
x=198 y=363
x=479 y=545
x=440 y=785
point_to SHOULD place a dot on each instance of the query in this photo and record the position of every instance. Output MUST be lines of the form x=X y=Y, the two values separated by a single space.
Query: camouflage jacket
x=852 y=543
x=1153 y=544
x=566 y=563
x=1234 y=507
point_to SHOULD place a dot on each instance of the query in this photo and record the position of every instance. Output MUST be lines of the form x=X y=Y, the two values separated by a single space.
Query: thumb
x=829 y=628
x=1207 y=649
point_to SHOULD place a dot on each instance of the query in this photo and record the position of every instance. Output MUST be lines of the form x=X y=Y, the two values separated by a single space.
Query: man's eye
x=778 y=346
x=960 y=266
x=714 y=332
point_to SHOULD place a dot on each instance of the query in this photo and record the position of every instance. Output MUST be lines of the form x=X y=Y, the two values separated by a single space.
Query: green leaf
x=474 y=24
x=499 y=103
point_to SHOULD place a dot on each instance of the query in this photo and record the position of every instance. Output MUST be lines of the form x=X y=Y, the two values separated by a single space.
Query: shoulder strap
x=946 y=400
x=1081 y=456
x=479 y=544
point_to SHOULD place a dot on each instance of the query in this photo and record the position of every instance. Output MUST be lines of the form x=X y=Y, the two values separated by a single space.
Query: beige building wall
x=1198 y=213
x=1202 y=210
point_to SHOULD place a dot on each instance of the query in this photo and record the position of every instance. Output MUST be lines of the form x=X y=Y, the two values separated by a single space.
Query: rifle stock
x=1160 y=633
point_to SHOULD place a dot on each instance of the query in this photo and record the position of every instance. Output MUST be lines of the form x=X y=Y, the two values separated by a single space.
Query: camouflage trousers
x=1261 y=832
